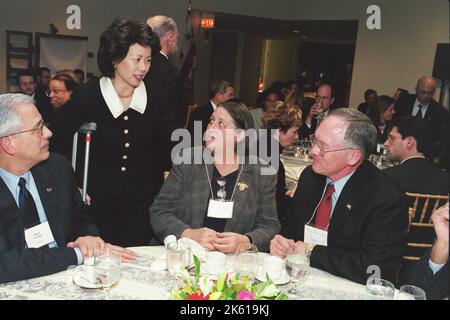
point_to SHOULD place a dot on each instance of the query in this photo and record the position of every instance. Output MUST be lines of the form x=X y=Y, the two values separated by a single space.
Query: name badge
x=39 y=235
x=315 y=236
x=220 y=209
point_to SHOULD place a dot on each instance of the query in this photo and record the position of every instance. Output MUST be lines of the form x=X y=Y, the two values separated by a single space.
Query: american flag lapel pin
x=49 y=189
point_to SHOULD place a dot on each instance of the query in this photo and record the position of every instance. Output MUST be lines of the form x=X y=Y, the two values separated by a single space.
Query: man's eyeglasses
x=40 y=128
x=322 y=149
x=318 y=98
x=55 y=91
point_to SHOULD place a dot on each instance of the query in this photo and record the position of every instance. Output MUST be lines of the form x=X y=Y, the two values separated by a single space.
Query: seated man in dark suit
x=370 y=97
x=409 y=143
x=27 y=82
x=219 y=92
x=423 y=106
x=319 y=110
x=431 y=272
x=345 y=213
x=43 y=228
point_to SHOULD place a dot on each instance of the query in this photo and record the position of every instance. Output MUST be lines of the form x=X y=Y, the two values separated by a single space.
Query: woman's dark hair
x=242 y=119
x=239 y=112
x=118 y=38
x=381 y=105
x=68 y=81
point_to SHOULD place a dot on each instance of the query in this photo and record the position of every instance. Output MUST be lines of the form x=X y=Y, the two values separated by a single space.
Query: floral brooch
x=242 y=186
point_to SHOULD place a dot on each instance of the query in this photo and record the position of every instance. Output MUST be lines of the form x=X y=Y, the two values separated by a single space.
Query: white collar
x=412 y=157
x=138 y=101
x=424 y=106
x=213 y=105
x=165 y=55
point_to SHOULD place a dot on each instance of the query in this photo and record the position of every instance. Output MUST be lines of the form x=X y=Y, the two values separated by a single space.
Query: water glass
x=107 y=270
x=379 y=289
x=176 y=257
x=245 y=260
x=408 y=292
x=297 y=267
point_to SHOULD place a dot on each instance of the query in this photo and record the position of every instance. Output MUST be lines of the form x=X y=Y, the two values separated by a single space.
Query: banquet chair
x=190 y=109
x=421 y=233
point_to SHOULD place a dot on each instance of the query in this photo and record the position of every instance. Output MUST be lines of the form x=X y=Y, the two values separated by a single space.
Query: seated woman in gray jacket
x=226 y=199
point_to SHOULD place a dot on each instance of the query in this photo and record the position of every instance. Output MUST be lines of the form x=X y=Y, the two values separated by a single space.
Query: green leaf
x=221 y=281
x=197 y=271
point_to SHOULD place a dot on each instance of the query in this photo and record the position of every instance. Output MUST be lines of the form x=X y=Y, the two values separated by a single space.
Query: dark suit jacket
x=201 y=113
x=418 y=175
x=434 y=285
x=183 y=201
x=43 y=103
x=368 y=225
x=436 y=115
x=64 y=209
x=170 y=78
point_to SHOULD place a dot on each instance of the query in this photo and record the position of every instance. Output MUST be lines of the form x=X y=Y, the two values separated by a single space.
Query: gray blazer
x=184 y=197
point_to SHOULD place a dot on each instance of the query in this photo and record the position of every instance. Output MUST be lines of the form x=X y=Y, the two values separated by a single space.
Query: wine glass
x=379 y=289
x=409 y=292
x=245 y=260
x=297 y=266
x=107 y=270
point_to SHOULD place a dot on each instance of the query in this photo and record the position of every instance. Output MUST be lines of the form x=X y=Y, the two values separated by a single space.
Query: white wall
x=385 y=59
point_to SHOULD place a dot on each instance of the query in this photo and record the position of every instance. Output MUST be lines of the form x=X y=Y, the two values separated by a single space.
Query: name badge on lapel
x=39 y=236
x=315 y=235
x=220 y=209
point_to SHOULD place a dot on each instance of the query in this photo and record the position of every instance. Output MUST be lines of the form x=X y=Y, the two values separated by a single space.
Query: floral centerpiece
x=228 y=286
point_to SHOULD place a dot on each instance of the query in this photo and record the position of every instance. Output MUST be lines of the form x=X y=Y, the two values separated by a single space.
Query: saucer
x=80 y=278
x=284 y=279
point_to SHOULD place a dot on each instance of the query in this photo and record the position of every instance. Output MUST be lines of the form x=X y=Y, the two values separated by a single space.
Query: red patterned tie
x=324 y=209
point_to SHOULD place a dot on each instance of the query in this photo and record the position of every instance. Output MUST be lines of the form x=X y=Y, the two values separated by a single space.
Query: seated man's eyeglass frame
x=322 y=150
x=40 y=127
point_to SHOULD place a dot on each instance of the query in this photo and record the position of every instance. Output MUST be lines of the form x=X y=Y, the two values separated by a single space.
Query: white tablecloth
x=293 y=167
x=138 y=282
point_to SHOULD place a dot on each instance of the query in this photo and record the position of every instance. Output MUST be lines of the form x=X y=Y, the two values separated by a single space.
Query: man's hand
x=203 y=236
x=439 y=253
x=88 y=197
x=228 y=242
x=280 y=246
x=89 y=246
x=440 y=223
x=125 y=254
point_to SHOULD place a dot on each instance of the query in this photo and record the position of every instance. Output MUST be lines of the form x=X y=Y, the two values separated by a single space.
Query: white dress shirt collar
x=416 y=108
x=138 y=101
x=213 y=105
x=165 y=55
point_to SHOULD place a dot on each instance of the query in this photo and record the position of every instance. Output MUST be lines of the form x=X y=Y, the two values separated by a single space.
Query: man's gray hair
x=218 y=86
x=361 y=133
x=164 y=25
x=10 y=121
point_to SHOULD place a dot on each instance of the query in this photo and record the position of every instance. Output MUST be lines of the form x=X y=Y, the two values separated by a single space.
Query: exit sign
x=207 y=22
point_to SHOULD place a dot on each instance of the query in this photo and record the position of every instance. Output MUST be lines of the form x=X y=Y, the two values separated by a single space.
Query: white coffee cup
x=215 y=262
x=273 y=266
